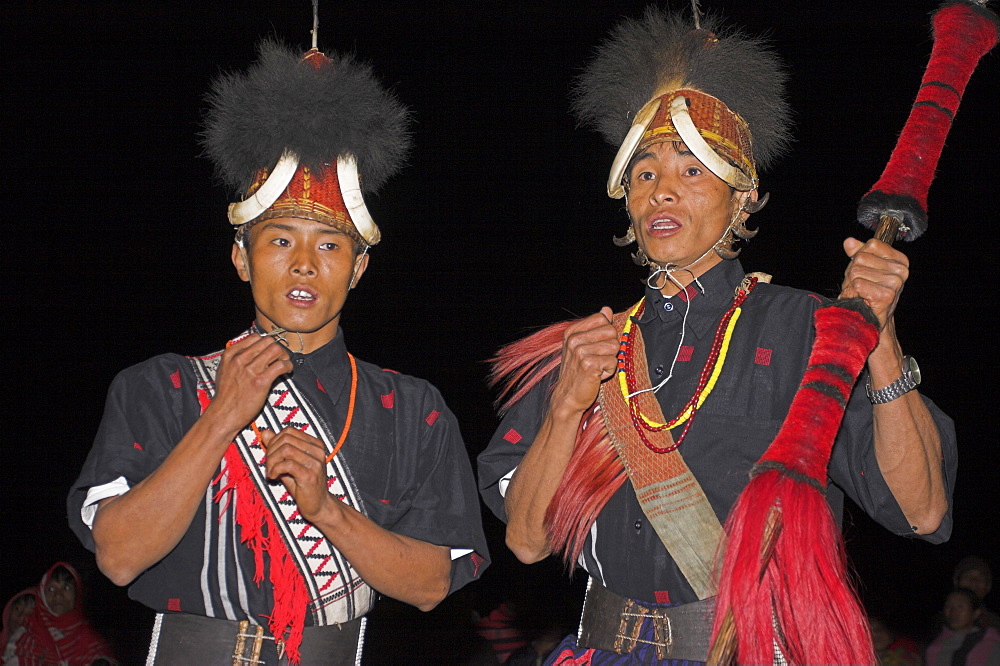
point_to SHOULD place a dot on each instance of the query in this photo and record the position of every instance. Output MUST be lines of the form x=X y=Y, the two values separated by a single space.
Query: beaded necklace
x=706 y=382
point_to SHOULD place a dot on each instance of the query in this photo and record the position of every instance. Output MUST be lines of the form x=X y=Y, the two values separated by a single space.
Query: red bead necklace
x=627 y=353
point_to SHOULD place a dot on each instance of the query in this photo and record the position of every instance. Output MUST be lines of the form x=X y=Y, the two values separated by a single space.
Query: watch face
x=913 y=369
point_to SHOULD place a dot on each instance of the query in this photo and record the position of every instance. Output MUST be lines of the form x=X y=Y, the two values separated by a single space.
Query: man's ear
x=239 y=256
x=360 y=266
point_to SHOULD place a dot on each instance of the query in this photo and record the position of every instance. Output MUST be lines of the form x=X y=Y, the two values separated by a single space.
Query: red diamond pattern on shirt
x=512 y=436
x=763 y=356
x=685 y=353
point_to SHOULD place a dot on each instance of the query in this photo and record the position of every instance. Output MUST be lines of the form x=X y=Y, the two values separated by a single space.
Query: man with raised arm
x=628 y=437
x=259 y=498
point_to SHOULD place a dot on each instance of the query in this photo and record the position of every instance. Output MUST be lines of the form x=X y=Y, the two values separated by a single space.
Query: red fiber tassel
x=593 y=475
x=290 y=595
x=804 y=589
x=260 y=533
x=251 y=512
x=784 y=574
x=519 y=366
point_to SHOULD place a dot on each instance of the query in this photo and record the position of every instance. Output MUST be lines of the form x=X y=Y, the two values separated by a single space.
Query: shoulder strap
x=337 y=594
x=668 y=492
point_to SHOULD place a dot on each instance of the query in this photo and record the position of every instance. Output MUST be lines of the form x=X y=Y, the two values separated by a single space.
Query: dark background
x=116 y=242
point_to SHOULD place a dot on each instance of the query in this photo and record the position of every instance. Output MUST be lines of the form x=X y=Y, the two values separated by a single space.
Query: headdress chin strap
x=688 y=132
x=277 y=181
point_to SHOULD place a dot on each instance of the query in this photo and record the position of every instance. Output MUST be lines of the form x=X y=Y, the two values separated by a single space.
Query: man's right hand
x=162 y=506
x=589 y=356
x=246 y=373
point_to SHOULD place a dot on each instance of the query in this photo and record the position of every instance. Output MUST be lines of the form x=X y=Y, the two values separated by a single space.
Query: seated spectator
x=17 y=608
x=974 y=573
x=963 y=641
x=56 y=632
x=893 y=650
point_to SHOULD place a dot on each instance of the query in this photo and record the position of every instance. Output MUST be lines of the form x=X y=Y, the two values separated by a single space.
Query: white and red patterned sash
x=335 y=591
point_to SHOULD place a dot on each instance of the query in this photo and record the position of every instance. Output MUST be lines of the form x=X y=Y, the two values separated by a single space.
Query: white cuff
x=505 y=481
x=97 y=493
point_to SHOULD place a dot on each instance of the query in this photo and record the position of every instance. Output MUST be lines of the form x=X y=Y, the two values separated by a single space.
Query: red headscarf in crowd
x=12 y=622
x=67 y=638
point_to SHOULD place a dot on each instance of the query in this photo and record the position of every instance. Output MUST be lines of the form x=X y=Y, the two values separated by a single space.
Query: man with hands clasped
x=259 y=498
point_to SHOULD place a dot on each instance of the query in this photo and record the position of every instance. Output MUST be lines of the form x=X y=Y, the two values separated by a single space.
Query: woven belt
x=184 y=639
x=613 y=623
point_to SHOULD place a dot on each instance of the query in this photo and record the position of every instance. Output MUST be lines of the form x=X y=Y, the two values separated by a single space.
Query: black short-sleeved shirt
x=766 y=360
x=404 y=451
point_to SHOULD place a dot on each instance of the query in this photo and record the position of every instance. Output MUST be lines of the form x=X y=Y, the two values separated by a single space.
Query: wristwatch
x=909 y=381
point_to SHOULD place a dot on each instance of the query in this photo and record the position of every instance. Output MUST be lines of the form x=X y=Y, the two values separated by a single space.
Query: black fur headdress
x=320 y=114
x=662 y=52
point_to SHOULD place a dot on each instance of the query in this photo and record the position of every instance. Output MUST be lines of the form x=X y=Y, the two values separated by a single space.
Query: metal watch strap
x=897 y=389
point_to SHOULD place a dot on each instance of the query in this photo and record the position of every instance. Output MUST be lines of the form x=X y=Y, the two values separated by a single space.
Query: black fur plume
x=283 y=103
x=642 y=56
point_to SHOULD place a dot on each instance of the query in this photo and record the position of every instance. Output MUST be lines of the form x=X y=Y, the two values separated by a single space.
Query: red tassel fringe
x=260 y=533
x=593 y=475
x=519 y=366
x=803 y=587
x=594 y=472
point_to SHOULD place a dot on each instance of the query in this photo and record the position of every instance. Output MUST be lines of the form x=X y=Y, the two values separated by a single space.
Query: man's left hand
x=298 y=460
x=876 y=273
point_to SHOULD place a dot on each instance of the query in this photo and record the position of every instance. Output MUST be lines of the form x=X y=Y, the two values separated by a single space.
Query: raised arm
x=588 y=358
x=907 y=443
x=162 y=505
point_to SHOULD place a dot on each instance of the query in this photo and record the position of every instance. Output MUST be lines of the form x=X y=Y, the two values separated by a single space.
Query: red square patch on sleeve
x=432 y=417
x=661 y=596
x=388 y=400
x=174 y=605
x=512 y=436
x=175 y=378
x=763 y=356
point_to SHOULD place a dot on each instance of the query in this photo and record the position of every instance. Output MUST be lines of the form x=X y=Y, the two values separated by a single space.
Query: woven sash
x=669 y=494
x=337 y=594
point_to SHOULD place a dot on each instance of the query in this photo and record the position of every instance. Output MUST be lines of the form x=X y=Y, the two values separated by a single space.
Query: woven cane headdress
x=304 y=136
x=659 y=78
